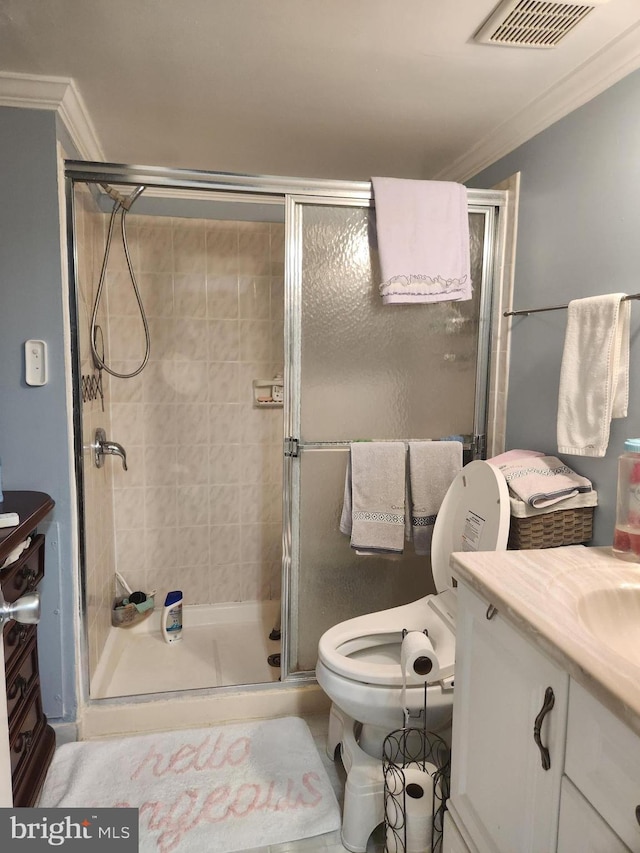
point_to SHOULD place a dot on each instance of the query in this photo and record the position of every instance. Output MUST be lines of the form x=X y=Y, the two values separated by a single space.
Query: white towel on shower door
x=594 y=377
x=423 y=240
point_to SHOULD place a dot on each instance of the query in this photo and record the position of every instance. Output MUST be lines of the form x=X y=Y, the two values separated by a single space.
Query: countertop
x=539 y=592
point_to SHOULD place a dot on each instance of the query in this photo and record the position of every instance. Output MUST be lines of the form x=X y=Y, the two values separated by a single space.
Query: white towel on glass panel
x=594 y=377
x=423 y=240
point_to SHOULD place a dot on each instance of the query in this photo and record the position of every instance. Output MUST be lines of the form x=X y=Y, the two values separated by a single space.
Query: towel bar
x=524 y=312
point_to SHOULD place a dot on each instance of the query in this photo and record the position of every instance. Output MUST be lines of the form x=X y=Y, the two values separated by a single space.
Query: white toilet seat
x=366 y=649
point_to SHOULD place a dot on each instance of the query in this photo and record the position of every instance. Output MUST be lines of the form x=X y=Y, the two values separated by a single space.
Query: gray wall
x=34 y=433
x=578 y=235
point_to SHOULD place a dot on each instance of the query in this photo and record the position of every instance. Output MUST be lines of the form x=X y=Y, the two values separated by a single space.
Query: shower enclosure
x=235 y=475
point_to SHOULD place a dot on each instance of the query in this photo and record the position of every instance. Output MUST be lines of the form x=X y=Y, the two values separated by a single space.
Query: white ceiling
x=339 y=89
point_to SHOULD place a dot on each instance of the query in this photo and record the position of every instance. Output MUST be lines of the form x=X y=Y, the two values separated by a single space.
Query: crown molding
x=593 y=77
x=59 y=94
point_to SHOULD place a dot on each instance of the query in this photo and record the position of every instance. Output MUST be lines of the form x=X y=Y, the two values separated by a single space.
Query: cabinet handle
x=547 y=705
x=491 y=611
x=638 y=813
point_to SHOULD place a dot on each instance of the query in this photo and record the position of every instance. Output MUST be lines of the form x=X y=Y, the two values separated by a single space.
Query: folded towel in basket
x=542 y=481
x=520 y=509
x=512 y=455
x=373 y=513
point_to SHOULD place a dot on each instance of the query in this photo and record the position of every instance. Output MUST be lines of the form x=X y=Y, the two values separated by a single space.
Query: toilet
x=359 y=659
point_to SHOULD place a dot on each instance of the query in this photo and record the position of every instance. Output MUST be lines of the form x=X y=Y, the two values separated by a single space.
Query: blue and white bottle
x=172 y=617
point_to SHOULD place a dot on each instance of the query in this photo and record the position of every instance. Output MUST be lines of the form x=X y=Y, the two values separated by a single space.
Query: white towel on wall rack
x=594 y=377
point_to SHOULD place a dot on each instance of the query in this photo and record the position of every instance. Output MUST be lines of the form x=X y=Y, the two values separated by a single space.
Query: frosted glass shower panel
x=333 y=583
x=370 y=370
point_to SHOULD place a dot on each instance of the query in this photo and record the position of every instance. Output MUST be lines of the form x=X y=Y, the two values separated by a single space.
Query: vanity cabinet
x=31 y=739
x=500 y=792
x=603 y=762
x=502 y=799
x=581 y=827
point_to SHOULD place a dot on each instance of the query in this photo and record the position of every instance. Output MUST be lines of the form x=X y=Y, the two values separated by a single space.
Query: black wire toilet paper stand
x=405 y=750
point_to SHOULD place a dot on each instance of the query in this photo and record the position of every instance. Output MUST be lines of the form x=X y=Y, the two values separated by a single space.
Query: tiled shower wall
x=98 y=482
x=200 y=507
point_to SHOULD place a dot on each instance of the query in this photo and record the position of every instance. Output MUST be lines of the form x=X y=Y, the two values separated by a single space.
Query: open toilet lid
x=474 y=516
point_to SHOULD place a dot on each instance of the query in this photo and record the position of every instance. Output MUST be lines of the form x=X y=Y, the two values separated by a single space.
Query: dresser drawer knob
x=24 y=742
x=29 y=574
x=18 y=686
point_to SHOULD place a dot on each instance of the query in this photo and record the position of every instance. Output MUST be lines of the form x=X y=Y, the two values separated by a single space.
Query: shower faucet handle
x=101 y=448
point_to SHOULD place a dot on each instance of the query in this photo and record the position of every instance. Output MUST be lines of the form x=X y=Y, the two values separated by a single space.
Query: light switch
x=35 y=362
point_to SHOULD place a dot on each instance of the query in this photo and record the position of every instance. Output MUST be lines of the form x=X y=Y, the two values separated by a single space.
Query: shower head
x=132 y=197
x=121 y=200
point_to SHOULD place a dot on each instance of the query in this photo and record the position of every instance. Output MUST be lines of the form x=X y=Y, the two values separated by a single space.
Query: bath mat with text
x=223 y=789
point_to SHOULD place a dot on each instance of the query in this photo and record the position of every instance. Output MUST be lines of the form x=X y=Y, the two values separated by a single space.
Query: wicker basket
x=551 y=529
x=129 y=615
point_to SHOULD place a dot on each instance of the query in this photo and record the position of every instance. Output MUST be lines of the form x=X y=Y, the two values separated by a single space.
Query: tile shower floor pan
x=222 y=644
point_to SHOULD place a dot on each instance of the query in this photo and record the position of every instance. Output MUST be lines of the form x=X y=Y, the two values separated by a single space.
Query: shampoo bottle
x=172 y=617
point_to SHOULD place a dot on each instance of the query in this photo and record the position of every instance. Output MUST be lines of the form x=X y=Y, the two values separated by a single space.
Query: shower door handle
x=101 y=448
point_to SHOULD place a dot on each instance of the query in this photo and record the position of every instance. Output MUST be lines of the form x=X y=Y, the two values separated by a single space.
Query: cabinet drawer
x=27 y=732
x=26 y=573
x=21 y=681
x=581 y=827
x=603 y=761
x=16 y=638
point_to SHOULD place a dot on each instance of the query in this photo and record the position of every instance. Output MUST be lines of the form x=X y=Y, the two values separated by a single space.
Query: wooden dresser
x=31 y=740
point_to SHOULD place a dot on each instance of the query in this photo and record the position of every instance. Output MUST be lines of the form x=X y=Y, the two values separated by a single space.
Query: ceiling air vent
x=533 y=23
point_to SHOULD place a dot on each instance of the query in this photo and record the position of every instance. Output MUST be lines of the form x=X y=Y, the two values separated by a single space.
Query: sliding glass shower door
x=360 y=370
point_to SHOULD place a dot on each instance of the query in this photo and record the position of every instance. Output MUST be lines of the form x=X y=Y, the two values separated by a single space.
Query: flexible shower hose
x=123 y=204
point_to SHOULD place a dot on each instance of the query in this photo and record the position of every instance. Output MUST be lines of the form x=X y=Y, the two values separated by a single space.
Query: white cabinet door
x=603 y=762
x=582 y=828
x=452 y=841
x=6 y=794
x=500 y=792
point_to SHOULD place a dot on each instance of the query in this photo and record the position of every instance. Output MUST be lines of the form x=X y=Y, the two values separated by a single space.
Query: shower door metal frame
x=241 y=187
x=485 y=203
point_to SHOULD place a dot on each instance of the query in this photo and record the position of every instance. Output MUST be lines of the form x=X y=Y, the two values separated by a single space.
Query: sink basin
x=613 y=617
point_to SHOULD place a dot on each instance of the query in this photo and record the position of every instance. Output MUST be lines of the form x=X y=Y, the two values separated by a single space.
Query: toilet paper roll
x=417 y=818
x=418 y=659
